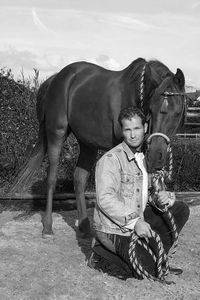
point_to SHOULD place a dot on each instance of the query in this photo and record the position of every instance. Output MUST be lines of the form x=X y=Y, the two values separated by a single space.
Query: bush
x=186 y=172
x=19 y=128
x=18 y=123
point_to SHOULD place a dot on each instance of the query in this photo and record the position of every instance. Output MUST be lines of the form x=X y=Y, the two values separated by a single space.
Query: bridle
x=182 y=116
x=168 y=174
x=158 y=183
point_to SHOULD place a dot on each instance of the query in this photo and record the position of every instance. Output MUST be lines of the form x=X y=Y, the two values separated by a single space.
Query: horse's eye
x=177 y=113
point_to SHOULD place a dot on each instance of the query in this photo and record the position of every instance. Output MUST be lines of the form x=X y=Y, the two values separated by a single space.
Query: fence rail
x=192 y=120
x=67 y=201
x=188 y=135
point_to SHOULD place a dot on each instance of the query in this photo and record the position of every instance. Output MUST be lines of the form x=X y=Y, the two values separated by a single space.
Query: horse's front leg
x=86 y=160
x=80 y=181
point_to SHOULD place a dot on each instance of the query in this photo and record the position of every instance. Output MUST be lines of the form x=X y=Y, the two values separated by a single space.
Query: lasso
x=158 y=184
x=160 y=258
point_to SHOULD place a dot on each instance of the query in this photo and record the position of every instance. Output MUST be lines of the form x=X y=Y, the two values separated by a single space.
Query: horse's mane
x=133 y=71
x=156 y=76
x=159 y=71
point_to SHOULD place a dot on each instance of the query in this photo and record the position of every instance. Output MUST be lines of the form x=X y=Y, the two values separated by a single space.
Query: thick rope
x=158 y=184
x=160 y=258
x=167 y=174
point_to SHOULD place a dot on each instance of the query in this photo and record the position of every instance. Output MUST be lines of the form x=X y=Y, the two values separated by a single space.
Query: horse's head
x=166 y=113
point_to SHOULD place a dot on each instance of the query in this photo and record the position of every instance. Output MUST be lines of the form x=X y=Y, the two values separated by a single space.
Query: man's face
x=133 y=131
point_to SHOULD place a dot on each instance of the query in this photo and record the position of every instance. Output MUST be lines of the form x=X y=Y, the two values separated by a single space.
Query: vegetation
x=19 y=127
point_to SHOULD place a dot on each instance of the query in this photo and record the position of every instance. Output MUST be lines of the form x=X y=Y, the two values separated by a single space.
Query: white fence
x=188 y=135
x=192 y=112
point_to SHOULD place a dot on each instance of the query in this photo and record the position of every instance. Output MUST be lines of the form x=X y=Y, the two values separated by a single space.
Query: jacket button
x=138 y=206
x=137 y=190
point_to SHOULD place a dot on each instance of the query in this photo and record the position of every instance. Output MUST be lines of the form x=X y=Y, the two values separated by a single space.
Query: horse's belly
x=94 y=134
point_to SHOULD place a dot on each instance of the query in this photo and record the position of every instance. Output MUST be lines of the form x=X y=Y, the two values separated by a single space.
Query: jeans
x=108 y=244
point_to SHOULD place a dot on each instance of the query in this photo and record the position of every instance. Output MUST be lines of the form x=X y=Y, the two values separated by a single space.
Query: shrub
x=186 y=166
x=18 y=123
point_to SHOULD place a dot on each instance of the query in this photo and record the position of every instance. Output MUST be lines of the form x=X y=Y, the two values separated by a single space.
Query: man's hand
x=163 y=198
x=143 y=229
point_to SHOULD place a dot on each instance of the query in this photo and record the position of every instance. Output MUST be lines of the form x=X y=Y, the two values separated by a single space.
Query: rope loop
x=159 y=257
x=167 y=174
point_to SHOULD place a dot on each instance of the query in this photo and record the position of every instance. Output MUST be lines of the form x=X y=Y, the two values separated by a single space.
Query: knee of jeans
x=185 y=210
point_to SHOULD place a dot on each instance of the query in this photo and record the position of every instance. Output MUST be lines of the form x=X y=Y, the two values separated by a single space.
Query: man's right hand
x=143 y=229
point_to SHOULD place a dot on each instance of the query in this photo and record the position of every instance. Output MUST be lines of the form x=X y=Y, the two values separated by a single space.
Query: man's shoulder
x=112 y=154
x=114 y=151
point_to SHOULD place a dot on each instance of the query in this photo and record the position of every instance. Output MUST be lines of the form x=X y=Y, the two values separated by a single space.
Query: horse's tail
x=32 y=162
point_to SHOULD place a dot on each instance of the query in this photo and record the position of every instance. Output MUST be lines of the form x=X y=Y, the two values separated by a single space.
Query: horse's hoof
x=47 y=233
x=175 y=271
x=83 y=229
x=47 y=236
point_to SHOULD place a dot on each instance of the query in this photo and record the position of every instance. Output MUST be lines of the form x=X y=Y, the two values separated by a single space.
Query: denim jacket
x=119 y=184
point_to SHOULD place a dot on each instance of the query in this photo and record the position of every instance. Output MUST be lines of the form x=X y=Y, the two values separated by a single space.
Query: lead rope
x=166 y=173
x=158 y=184
x=159 y=258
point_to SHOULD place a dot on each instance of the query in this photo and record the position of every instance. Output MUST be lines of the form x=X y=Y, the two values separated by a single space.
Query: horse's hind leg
x=85 y=162
x=55 y=140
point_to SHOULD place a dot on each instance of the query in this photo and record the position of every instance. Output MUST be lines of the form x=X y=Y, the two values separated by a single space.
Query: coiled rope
x=165 y=173
x=158 y=178
x=159 y=257
x=158 y=184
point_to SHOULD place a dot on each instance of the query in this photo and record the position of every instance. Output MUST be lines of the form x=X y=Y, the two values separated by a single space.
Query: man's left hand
x=163 y=198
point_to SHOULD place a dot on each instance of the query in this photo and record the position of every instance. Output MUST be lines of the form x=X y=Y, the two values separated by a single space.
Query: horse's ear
x=179 y=78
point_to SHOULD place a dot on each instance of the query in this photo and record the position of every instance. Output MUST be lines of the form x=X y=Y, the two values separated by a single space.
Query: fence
x=192 y=120
x=193 y=113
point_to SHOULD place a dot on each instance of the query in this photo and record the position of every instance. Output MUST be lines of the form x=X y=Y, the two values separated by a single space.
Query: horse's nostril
x=159 y=156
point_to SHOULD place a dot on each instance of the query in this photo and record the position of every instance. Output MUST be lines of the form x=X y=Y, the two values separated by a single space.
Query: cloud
x=133 y=22
x=196 y=4
x=38 y=23
x=18 y=60
x=105 y=61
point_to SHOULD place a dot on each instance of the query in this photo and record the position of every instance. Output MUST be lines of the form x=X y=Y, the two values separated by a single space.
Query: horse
x=85 y=99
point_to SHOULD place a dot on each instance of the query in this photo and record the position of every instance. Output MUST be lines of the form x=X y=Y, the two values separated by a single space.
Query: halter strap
x=158 y=134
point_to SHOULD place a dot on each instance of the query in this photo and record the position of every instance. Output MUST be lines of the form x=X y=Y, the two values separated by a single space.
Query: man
x=122 y=195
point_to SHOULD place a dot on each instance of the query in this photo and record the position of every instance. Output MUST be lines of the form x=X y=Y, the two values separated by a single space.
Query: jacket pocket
x=127 y=184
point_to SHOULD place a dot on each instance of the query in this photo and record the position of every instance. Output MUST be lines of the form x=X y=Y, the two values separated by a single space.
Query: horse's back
x=88 y=98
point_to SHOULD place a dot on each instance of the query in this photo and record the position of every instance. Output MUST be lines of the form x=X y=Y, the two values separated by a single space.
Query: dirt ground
x=35 y=268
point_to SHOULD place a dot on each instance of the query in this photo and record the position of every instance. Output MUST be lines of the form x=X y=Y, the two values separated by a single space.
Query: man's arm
x=108 y=182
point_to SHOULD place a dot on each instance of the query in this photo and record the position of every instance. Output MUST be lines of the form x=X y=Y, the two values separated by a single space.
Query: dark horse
x=86 y=99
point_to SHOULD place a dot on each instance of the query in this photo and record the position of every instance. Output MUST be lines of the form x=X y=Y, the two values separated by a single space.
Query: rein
x=166 y=174
x=158 y=179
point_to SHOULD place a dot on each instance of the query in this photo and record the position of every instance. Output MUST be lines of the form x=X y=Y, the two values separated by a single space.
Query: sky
x=49 y=34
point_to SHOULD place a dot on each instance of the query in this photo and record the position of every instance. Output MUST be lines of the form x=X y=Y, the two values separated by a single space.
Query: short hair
x=130 y=112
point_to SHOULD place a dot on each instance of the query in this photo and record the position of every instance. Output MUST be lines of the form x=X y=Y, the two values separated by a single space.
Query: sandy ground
x=35 y=268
